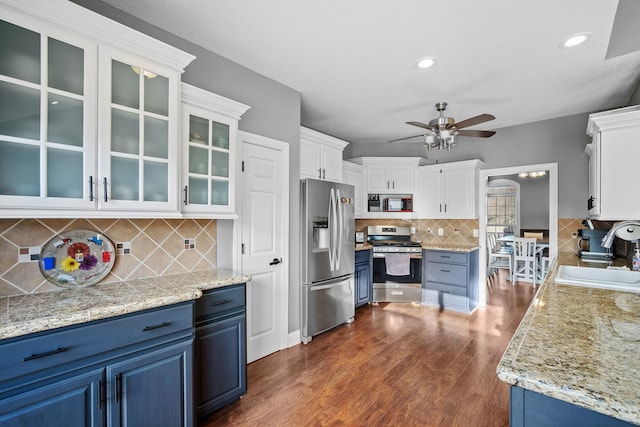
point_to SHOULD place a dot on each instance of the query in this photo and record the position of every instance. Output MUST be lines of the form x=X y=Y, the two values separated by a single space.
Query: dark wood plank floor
x=397 y=364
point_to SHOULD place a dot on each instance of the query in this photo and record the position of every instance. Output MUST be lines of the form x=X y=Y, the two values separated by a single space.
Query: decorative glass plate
x=77 y=258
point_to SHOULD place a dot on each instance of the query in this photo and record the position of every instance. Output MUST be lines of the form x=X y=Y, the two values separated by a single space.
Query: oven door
x=380 y=270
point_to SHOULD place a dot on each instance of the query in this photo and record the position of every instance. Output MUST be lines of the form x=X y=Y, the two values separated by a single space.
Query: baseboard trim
x=294 y=338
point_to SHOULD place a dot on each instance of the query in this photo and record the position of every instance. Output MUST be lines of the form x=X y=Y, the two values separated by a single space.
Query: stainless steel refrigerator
x=327 y=259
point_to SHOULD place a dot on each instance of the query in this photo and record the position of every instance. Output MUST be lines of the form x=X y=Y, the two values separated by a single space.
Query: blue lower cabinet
x=221 y=350
x=363 y=277
x=531 y=409
x=450 y=279
x=74 y=401
x=131 y=370
x=153 y=389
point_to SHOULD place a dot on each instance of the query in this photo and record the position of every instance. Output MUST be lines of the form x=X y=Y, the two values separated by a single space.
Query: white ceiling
x=353 y=61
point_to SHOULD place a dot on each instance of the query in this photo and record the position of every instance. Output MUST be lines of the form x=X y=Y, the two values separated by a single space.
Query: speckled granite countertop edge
x=586 y=367
x=450 y=247
x=26 y=314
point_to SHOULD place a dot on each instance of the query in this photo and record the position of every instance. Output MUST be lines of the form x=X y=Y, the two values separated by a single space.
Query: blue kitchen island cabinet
x=363 y=277
x=128 y=370
x=221 y=350
x=450 y=279
x=531 y=409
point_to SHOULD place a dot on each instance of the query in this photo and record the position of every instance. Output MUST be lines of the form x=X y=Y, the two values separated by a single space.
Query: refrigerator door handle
x=331 y=225
x=339 y=227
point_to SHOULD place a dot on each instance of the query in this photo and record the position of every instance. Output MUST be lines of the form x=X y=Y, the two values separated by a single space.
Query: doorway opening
x=485 y=175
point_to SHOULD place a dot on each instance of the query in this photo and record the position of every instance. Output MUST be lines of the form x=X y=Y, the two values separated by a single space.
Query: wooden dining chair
x=525 y=260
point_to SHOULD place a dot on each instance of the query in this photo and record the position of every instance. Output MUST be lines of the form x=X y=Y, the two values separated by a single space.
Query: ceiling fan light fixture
x=426 y=62
x=576 y=40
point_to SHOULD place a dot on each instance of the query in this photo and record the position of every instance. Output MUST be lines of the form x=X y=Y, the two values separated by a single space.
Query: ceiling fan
x=443 y=130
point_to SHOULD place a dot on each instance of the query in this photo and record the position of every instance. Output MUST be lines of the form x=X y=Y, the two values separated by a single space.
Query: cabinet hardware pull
x=186 y=194
x=45 y=354
x=106 y=198
x=319 y=173
x=445 y=271
x=118 y=387
x=221 y=302
x=323 y=173
x=393 y=184
x=440 y=207
x=445 y=256
x=445 y=207
x=151 y=328
x=91 y=188
x=100 y=394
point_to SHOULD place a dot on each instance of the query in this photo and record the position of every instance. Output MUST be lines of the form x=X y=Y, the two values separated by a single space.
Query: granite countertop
x=450 y=247
x=580 y=345
x=432 y=246
x=363 y=246
x=25 y=314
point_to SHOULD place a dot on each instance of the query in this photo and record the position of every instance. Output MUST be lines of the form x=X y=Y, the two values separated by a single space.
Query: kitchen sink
x=604 y=278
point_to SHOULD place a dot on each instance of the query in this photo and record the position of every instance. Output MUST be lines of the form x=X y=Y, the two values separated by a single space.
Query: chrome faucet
x=607 y=240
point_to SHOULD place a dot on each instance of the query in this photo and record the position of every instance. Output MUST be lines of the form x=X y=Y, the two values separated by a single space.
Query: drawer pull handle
x=45 y=354
x=221 y=302
x=445 y=256
x=445 y=271
x=151 y=328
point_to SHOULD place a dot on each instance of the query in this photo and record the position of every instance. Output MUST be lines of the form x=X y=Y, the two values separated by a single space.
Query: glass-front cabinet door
x=209 y=162
x=138 y=140
x=47 y=118
x=209 y=134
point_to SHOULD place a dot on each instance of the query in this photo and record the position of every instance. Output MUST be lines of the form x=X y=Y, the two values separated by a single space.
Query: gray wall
x=274 y=113
x=534 y=203
x=560 y=140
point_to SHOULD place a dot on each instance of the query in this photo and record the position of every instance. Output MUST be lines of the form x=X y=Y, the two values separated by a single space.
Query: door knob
x=276 y=261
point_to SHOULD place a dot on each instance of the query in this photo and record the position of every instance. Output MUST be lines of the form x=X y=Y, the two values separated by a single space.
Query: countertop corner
x=579 y=345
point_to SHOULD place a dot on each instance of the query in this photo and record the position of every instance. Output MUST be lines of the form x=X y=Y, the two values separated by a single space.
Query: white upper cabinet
x=138 y=146
x=447 y=190
x=390 y=175
x=390 y=178
x=320 y=155
x=353 y=174
x=89 y=114
x=209 y=144
x=47 y=116
x=613 y=164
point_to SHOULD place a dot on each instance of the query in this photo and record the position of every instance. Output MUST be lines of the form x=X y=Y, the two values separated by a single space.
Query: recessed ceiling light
x=576 y=40
x=426 y=62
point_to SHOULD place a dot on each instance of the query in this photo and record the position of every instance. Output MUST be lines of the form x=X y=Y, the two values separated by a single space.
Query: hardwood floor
x=397 y=364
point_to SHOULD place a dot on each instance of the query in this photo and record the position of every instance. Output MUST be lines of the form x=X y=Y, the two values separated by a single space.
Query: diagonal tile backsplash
x=157 y=247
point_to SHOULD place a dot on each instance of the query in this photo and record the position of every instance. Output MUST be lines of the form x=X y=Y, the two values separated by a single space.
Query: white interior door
x=264 y=216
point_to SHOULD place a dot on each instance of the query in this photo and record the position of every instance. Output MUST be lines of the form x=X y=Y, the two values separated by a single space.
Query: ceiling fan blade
x=479 y=133
x=408 y=137
x=421 y=125
x=473 y=121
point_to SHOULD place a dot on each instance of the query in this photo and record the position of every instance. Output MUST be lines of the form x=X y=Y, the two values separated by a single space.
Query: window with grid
x=501 y=212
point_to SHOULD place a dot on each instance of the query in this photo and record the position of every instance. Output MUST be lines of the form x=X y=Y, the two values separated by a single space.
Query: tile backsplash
x=460 y=231
x=156 y=247
x=455 y=231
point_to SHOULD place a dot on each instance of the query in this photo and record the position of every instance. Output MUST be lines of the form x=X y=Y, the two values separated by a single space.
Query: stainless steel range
x=397 y=264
